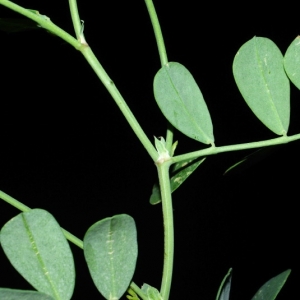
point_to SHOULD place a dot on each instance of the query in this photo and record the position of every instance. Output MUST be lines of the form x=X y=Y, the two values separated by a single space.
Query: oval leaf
x=10 y=294
x=155 y=197
x=180 y=100
x=259 y=74
x=110 y=250
x=271 y=288
x=292 y=62
x=37 y=248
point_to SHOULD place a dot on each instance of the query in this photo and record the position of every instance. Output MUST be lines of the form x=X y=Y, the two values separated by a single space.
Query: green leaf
x=37 y=248
x=9 y=294
x=151 y=292
x=182 y=170
x=292 y=62
x=155 y=195
x=251 y=159
x=224 y=289
x=260 y=76
x=179 y=173
x=173 y=148
x=180 y=100
x=271 y=288
x=110 y=250
x=12 y=25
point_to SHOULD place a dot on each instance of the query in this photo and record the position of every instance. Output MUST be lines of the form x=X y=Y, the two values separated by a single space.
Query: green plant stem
x=109 y=84
x=163 y=58
x=163 y=173
x=13 y=202
x=157 y=31
x=72 y=238
x=92 y=60
x=164 y=181
x=169 y=137
x=216 y=150
x=112 y=89
x=44 y=23
x=75 y=18
x=19 y=205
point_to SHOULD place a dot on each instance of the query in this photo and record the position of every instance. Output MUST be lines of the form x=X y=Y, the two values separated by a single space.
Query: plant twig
x=157 y=31
x=114 y=92
x=215 y=150
x=164 y=181
x=75 y=18
x=19 y=205
x=43 y=21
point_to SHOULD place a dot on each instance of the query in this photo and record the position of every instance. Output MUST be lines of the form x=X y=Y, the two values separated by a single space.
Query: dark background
x=65 y=146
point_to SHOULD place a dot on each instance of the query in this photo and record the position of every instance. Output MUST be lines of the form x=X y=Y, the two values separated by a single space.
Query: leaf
x=180 y=172
x=271 y=288
x=180 y=100
x=151 y=292
x=173 y=148
x=37 y=248
x=260 y=76
x=155 y=195
x=12 y=25
x=224 y=289
x=292 y=62
x=251 y=159
x=10 y=294
x=110 y=250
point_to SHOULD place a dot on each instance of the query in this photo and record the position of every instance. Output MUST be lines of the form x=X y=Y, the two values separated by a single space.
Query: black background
x=65 y=146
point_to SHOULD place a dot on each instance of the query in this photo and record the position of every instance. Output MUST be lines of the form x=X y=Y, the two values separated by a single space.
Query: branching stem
x=221 y=149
